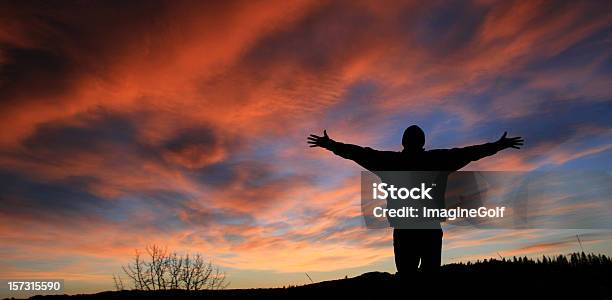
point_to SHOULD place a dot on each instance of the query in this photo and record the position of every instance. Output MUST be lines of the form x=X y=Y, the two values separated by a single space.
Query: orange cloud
x=183 y=123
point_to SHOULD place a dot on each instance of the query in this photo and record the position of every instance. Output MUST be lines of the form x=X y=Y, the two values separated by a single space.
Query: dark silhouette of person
x=423 y=245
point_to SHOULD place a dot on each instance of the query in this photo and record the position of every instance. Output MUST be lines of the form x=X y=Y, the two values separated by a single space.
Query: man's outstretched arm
x=463 y=156
x=364 y=156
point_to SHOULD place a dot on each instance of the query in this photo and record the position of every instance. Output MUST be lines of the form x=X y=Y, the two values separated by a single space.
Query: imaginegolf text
x=450 y=213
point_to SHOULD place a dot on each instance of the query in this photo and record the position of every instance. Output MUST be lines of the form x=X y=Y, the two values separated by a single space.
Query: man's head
x=413 y=139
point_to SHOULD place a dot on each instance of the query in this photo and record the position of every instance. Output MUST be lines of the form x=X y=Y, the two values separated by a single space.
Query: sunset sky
x=128 y=123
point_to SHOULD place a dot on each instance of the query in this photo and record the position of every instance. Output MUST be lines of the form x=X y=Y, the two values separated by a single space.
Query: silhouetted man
x=413 y=245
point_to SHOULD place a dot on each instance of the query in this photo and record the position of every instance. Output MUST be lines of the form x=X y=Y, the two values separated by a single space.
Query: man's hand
x=515 y=142
x=320 y=141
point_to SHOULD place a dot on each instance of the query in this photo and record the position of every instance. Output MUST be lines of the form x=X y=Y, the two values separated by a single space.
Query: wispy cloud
x=184 y=123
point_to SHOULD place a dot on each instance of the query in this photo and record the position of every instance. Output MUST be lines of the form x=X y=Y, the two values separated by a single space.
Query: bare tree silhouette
x=164 y=270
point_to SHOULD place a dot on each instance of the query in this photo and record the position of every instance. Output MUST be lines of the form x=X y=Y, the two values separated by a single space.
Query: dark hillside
x=576 y=276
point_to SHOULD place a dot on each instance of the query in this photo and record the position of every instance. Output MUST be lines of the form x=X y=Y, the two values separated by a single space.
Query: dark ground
x=489 y=280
